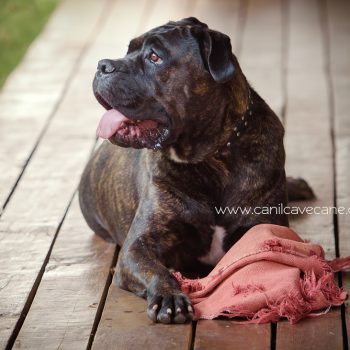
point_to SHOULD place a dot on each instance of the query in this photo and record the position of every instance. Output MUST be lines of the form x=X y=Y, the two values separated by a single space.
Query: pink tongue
x=110 y=123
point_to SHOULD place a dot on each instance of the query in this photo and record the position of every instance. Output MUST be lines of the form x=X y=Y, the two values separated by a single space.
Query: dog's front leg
x=141 y=269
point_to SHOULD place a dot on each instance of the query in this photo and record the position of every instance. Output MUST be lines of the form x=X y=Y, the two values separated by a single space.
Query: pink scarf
x=268 y=274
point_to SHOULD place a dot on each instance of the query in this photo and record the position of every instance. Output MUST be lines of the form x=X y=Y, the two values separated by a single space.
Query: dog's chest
x=216 y=251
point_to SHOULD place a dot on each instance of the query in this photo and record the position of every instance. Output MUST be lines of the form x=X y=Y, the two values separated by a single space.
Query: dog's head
x=174 y=88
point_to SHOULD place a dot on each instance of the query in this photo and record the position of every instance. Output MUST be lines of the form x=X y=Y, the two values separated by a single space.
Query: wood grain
x=226 y=335
x=32 y=217
x=309 y=155
x=323 y=333
x=65 y=304
x=308 y=140
x=125 y=325
x=257 y=34
x=30 y=96
x=338 y=31
x=39 y=203
x=261 y=52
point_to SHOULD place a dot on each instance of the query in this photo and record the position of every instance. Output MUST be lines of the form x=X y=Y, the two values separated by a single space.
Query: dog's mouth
x=128 y=131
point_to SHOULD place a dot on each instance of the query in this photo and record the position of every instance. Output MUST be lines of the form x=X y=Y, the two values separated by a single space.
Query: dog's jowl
x=186 y=135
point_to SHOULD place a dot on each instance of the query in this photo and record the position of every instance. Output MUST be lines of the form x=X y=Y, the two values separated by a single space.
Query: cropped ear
x=218 y=56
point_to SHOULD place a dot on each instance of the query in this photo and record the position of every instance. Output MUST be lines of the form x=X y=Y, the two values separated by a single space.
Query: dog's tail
x=298 y=189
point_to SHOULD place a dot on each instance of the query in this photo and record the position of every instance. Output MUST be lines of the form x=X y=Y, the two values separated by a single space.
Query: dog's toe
x=166 y=312
x=183 y=309
x=153 y=308
x=167 y=309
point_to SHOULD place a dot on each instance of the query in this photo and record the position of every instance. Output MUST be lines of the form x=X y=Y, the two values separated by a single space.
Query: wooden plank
x=223 y=15
x=43 y=217
x=125 y=325
x=339 y=45
x=261 y=52
x=309 y=154
x=308 y=141
x=226 y=335
x=257 y=35
x=65 y=305
x=261 y=59
x=29 y=224
x=314 y=333
x=339 y=27
x=166 y=10
x=31 y=93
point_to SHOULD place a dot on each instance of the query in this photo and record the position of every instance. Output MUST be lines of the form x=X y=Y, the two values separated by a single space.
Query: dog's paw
x=170 y=308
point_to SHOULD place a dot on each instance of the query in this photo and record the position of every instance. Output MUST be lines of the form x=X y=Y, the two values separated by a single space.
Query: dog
x=193 y=136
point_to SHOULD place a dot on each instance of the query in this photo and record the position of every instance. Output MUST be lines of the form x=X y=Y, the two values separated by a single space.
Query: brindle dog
x=195 y=137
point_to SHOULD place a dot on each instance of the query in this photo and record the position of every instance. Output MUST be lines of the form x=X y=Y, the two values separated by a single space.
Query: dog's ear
x=217 y=55
x=193 y=21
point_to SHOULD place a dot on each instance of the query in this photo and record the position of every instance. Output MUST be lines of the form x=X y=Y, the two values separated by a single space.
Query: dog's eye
x=155 y=58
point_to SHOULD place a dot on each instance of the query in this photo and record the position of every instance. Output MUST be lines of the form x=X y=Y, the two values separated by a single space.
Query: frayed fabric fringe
x=292 y=281
x=296 y=306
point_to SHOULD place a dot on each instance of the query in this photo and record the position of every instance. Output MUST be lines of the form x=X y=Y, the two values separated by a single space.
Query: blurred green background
x=20 y=22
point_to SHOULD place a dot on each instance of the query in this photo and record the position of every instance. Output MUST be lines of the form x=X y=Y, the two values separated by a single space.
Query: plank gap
x=343 y=316
x=40 y=275
x=324 y=24
x=307 y=20
x=326 y=36
x=102 y=302
x=36 y=284
x=273 y=335
x=344 y=328
x=193 y=335
x=66 y=86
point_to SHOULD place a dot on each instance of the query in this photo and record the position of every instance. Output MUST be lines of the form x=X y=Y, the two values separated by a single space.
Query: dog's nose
x=106 y=66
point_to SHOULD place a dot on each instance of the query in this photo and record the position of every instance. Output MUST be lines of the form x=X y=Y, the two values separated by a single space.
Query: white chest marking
x=216 y=252
x=175 y=158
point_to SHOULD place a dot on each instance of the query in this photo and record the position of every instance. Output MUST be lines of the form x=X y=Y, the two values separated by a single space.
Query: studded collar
x=239 y=127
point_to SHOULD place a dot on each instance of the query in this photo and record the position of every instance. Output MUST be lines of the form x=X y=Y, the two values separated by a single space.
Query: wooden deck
x=55 y=275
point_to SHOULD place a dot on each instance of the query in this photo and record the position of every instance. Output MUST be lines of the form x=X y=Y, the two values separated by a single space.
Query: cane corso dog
x=187 y=135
